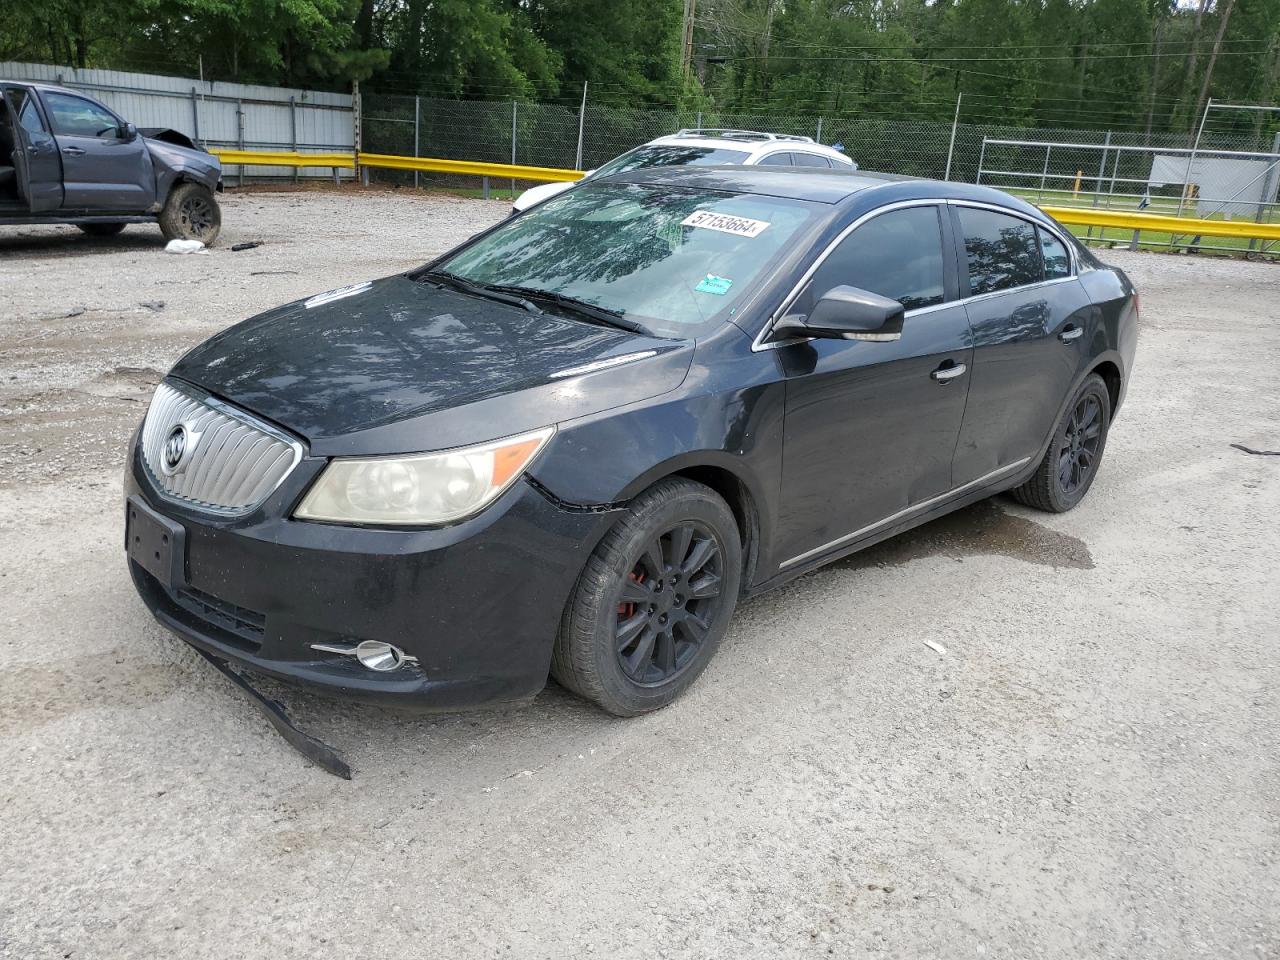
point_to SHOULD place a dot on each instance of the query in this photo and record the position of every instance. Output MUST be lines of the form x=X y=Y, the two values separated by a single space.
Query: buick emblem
x=177 y=449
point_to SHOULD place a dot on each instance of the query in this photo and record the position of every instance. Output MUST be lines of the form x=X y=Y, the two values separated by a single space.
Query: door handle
x=1071 y=333
x=947 y=374
x=73 y=151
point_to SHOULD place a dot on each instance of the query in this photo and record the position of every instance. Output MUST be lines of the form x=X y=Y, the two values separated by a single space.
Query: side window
x=810 y=160
x=897 y=255
x=28 y=115
x=77 y=117
x=1002 y=251
x=776 y=160
x=1056 y=262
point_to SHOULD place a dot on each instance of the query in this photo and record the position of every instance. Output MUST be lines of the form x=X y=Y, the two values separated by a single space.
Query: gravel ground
x=1090 y=770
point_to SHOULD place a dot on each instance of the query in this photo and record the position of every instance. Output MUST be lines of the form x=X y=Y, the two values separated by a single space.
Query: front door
x=1031 y=321
x=35 y=154
x=103 y=167
x=871 y=427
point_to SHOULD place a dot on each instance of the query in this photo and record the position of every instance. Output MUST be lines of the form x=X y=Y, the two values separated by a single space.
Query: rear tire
x=1070 y=464
x=653 y=601
x=101 y=229
x=191 y=213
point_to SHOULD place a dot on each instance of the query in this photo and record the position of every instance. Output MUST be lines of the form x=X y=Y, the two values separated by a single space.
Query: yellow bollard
x=1075 y=193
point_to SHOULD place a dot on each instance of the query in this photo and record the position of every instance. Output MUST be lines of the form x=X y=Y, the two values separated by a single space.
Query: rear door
x=802 y=159
x=35 y=153
x=103 y=168
x=871 y=427
x=1031 y=321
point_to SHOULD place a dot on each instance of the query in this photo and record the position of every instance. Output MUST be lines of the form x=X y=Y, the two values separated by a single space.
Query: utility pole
x=1213 y=54
x=686 y=56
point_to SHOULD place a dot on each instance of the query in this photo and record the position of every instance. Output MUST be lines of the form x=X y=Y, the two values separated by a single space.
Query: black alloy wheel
x=195 y=213
x=1070 y=465
x=1078 y=451
x=668 y=602
x=653 y=601
x=191 y=213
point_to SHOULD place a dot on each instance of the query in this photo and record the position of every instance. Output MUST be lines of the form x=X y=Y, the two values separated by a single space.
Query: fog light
x=379 y=656
x=372 y=654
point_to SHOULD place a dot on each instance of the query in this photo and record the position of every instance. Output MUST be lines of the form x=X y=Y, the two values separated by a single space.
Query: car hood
x=174 y=162
x=541 y=192
x=395 y=366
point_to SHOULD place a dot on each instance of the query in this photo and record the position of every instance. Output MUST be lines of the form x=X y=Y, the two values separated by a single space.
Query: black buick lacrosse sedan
x=570 y=446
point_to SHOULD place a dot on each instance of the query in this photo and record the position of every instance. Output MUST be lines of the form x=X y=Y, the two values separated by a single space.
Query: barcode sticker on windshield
x=738 y=226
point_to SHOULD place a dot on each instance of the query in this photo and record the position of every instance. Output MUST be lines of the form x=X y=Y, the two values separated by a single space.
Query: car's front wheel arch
x=731 y=479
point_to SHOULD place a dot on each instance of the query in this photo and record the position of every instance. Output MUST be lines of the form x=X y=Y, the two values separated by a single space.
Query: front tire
x=191 y=213
x=101 y=229
x=1069 y=466
x=653 y=601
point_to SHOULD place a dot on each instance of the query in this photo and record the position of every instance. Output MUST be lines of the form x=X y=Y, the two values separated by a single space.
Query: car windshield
x=676 y=262
x=671 y=155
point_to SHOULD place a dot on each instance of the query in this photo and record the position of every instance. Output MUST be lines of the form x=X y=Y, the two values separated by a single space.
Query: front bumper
x=477 y=603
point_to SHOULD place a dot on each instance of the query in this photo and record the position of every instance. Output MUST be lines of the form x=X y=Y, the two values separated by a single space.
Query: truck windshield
x=676 y=262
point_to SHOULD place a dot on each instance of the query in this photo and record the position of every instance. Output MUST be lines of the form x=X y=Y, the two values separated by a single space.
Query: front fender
x=609 y=459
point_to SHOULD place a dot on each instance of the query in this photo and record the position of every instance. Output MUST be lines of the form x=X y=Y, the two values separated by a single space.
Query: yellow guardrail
x=385 y=161
x=472 y=168
x=1184 y=226
x=1077 y=216
x=285 y=158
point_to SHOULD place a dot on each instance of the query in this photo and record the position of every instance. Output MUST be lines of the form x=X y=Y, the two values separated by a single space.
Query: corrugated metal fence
x=232 y=115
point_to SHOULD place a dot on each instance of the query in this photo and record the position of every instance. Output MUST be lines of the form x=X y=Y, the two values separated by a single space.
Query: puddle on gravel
x=983 y=529
x=123 y=383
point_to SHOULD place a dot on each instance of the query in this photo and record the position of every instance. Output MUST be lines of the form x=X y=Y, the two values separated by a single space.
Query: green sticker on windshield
x=713 y=284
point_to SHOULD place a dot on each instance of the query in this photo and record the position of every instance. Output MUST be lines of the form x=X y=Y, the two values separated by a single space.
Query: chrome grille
x=236 y=462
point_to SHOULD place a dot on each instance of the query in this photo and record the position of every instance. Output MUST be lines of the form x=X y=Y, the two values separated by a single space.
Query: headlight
x=420 y=489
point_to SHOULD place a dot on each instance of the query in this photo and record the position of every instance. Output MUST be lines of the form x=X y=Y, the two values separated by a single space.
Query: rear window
x=1002 y=251
x=671 y=155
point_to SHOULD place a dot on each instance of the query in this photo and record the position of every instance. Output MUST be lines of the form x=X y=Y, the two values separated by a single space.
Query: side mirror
x=129 y=133
x=845 y=313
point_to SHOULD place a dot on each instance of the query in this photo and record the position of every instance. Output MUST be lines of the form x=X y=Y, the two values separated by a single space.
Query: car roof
x=42 y=87
x=795 y=183
x=867 y=189
x=749 y=142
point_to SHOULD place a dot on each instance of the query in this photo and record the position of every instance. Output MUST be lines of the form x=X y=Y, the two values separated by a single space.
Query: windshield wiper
x=444 y=279
x=585 y=308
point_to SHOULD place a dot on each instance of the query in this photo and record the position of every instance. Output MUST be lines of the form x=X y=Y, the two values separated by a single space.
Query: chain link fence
x=1224 y=176
x=548 y=135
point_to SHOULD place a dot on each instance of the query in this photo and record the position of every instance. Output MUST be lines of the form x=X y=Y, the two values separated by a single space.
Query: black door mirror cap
x=845 y=313
x=129 y=133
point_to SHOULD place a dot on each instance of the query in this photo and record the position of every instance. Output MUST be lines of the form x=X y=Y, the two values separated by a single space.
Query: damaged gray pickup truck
x=66 y=158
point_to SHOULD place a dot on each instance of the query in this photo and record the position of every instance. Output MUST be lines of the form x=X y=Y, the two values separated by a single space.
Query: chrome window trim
x=758 y=344
x=903 y=513
x=201 y=395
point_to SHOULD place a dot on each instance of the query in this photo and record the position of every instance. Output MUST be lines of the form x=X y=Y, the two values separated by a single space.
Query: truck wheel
x=101 y=229
x=191 y=213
